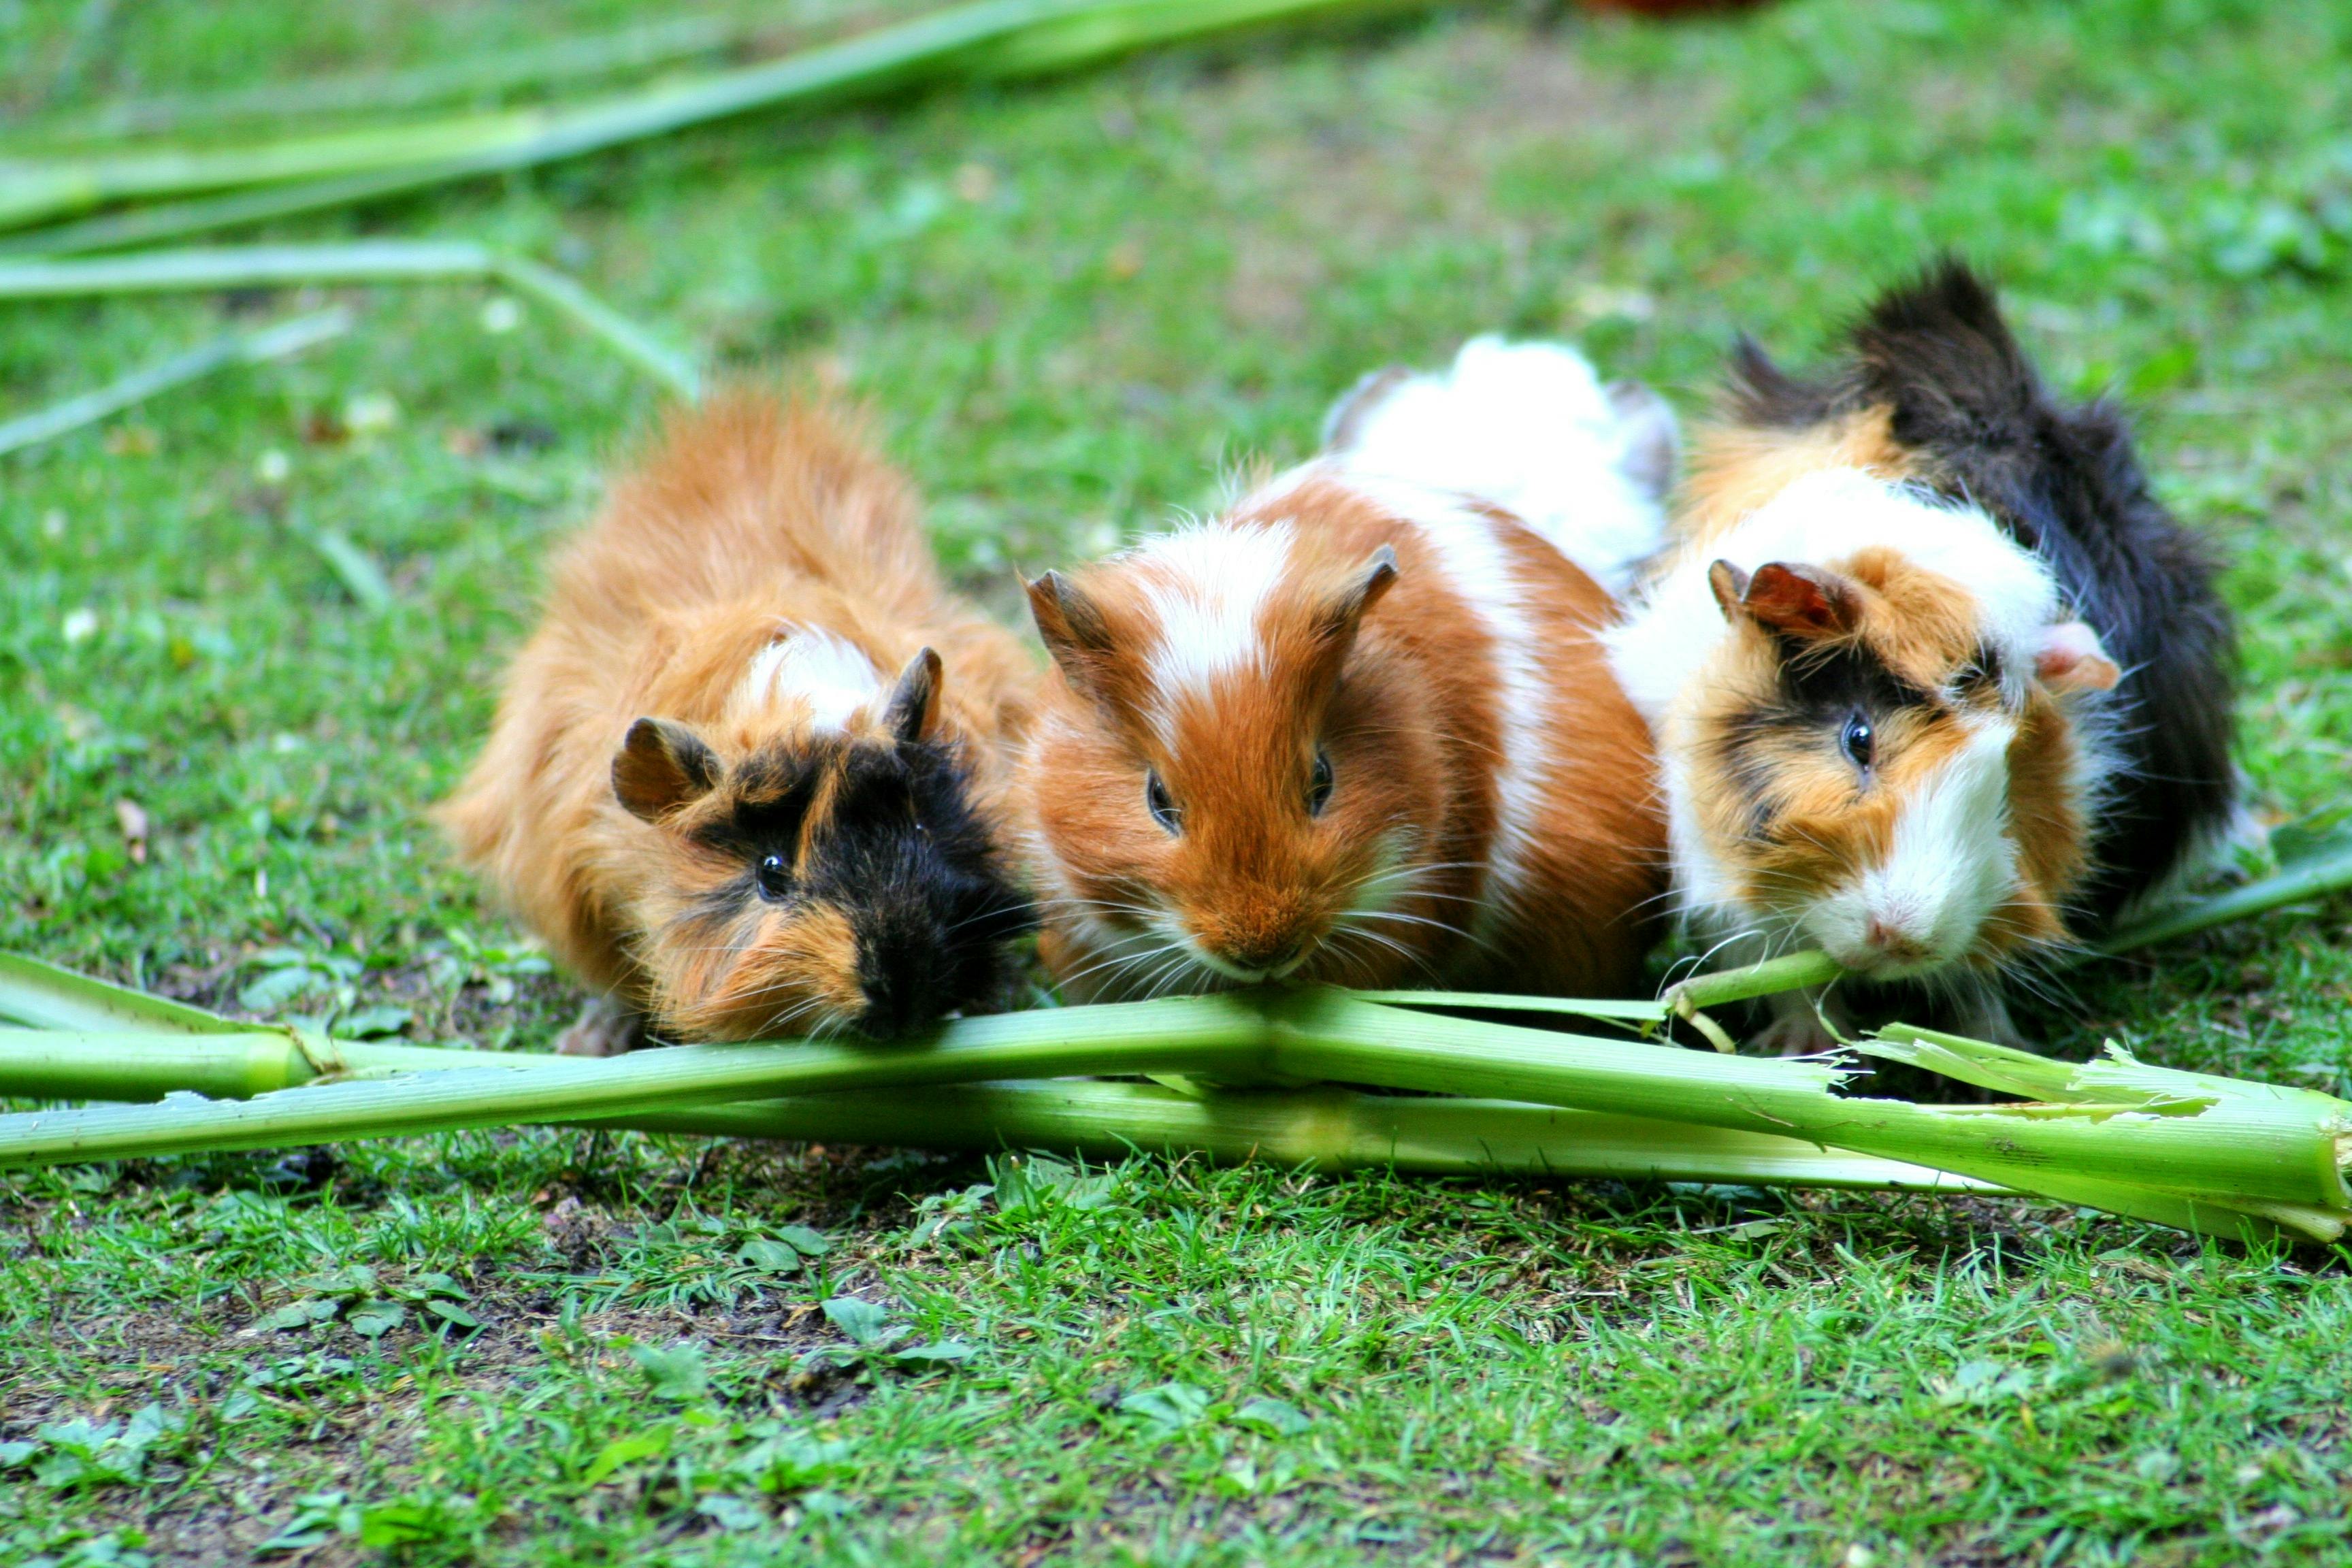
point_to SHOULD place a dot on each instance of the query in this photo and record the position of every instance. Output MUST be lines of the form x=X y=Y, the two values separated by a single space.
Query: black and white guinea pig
x=1937 y=683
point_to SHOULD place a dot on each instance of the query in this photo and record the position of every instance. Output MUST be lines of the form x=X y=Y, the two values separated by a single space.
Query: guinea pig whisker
x=1402 y=918
x=1120 y=962
x=1346 y=926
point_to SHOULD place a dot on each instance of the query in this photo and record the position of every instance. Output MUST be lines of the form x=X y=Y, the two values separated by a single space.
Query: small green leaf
x=374 y=1320
x=372 y=1023
x=1275 y=1417
x=770 y=1256
x=14 y=1456
x=450 y=1312
x=299 y=1314
x=806 y=1242
x=788 y=1459
x=355 y=1279
x=731 y=1513
x=399 y=1524
x=1170 y=1407
x=677 y=1373
x=861 y=1321
x=934 y=1354
x=624 y=1451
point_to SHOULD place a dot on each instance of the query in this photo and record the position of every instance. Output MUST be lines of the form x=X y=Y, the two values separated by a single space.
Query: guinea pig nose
x=1893 y=940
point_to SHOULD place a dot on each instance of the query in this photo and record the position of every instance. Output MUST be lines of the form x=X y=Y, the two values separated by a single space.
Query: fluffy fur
x=1528 y=427
x=745 y=775
x=1936 y=682
x=1358 y=730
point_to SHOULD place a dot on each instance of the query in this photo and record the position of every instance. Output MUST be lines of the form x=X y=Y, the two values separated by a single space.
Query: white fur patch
x=1528 y=429
x=1821 y=519
x=1478 y=565
x=1951 y=865
x=1206 y=586
x=815 y=668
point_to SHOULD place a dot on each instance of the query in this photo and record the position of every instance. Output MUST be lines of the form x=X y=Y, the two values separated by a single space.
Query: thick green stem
x=2307 y=880
x=1329 y=1129
x=2236 y=1149
x=991 y=37
x=43 y=996
x=1219 y=1035
x=2239 y=1151
x=374 y=261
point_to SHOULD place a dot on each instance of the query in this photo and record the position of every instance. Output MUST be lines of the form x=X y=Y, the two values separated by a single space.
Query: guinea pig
x=1356 y=731
x=1937 y=685
x=748 y=777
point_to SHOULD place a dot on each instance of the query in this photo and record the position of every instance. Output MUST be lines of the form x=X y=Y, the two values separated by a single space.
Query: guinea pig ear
x=1796 y=601
x=1074 y=630
x=914 y=705
x=1360 y=594
x=662 y=766
x=2071 y=659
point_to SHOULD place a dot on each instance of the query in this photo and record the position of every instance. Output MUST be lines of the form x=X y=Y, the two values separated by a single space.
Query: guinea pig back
x=748 y=774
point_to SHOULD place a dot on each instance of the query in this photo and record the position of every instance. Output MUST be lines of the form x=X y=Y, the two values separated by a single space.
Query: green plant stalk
x=641 y=48
x=2234 y=1151
x=1791 y=972
x=257 y=347
x=2293 y=884
x=2236 y=1154
x=992 y=36
x=40 y=995
x=1326 y=1127
x=1219 y=1034
x=36 y=1063
x=374 y=261
x=1329 y=1128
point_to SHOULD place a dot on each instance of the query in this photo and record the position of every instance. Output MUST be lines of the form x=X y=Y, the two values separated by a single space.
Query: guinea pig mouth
x=1880 y=946
x=1282 y=968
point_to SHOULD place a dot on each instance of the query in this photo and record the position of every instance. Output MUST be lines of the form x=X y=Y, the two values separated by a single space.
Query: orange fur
x=747 y=520
x=1735 y=469
x=1406 y=701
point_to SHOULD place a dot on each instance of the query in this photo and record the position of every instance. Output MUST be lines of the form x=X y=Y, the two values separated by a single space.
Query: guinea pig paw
x=605 y=1028
x=1795 y=1031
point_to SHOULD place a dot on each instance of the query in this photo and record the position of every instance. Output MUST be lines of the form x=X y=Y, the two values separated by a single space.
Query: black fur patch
x=1819 y=688
x=2063 y=480
x=898 y=850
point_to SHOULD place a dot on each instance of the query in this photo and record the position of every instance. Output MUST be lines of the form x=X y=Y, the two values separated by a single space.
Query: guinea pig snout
x=906 y=973
x=1264 y=937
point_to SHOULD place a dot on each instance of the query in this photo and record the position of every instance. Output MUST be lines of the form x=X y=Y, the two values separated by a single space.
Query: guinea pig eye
x=775 y=876
x=1859 y=740
x=1164 y=810
x=1319 y=788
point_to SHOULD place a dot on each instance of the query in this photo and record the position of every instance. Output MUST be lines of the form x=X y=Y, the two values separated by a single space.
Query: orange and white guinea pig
x=1937 y=684
x=746 y=778
x=1359 y=729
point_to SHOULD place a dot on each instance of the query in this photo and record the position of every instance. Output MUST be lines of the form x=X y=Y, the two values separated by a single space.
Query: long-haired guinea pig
x=744 y=779
x=1937 y=682
x=1358 y=731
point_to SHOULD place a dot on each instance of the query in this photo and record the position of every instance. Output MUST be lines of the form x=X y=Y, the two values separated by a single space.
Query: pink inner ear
x=2071 y=659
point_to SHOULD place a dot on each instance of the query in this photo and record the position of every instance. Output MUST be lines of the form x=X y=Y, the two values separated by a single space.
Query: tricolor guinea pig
x=1359 y=729
x=746 y=778
x=1937 y=685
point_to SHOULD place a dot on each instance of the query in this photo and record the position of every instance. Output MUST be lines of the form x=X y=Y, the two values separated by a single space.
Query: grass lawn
x=1073 y=307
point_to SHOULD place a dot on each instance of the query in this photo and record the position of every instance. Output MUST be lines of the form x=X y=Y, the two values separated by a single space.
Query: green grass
x=1073 y=307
